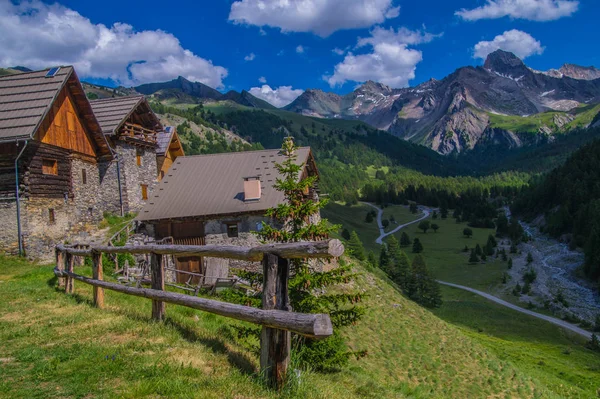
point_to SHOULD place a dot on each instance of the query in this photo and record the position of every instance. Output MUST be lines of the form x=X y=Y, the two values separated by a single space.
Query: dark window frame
x=233 y=229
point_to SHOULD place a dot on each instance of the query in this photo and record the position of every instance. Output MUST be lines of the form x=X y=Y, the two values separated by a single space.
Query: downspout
x=116 y=156
x=20 y=238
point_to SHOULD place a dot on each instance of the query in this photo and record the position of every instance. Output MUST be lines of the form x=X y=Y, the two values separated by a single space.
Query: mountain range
x=501 y=102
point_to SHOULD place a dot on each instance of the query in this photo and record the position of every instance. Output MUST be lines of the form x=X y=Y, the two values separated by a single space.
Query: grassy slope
x=531 y=124
x=54 y=345
x=553 y=357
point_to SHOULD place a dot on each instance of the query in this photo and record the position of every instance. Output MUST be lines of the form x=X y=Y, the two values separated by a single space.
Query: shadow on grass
x=235 y=358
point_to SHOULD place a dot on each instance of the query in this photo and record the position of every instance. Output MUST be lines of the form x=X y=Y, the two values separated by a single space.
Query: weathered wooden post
x=158 y=283
x=98 y=274
x=70 y=286
x=275 y=344
x=60 y=265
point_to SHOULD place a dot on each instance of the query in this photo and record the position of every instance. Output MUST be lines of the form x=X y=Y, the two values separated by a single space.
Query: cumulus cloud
x=278 y=97
x=322 y=17
x=262 y=80
x=250 y=57
x=520 y=43
x=533 y=10
x=38 y=35
x=300 y=49
x=338 y=51
x=391 y=61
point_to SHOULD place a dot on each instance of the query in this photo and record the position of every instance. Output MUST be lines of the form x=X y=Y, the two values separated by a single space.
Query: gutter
x=20 y=238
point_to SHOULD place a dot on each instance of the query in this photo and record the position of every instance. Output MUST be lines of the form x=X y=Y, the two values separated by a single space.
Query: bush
x=467 y=232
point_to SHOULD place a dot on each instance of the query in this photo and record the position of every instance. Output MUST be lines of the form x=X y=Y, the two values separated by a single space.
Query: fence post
x=60 y=265
x=275 y=344
x=98 y=274
x=70 y=286
x=158 y=283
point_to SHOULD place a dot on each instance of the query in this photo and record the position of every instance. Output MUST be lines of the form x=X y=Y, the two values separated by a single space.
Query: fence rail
x=275 y=316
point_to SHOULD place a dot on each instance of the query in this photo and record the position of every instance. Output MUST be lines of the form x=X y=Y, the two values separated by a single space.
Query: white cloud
x=391 y=61
x=39 y=35
x=322 y=17
x=278 y=97
x=262 y=80
x=520 y=43
x=250 y=57
x=534 y=10
x=338 y=51
x=300 y=49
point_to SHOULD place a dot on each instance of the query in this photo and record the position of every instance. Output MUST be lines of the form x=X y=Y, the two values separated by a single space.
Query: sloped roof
x=209 y=185
x=26 y=99
x=113 y=112
x=166 y=139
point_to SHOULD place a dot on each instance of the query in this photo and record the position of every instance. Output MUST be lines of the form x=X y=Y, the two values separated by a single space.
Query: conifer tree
x=510 y=263
x=295 y=216
x=355 y=247
x=345 y=234
x=372 y=259
x=404 y=239
x=444 y=212
x=384 y=259
x=422 y=287
x=529 y=258
x=478 y=250
x=393 y=247
x=402 y=270
x=473 y=258
x=417 y=246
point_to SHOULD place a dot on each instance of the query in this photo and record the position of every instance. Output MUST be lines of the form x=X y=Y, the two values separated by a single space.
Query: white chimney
x=252 y=190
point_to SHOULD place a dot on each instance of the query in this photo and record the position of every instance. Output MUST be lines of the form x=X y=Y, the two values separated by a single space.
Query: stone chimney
x=252 y=189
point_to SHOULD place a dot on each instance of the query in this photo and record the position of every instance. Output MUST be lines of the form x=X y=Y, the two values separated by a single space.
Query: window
x=51 y=215
x=232 y=229
x=144 y=191
x=138 y=156
x=83 y=176
x=49 y=167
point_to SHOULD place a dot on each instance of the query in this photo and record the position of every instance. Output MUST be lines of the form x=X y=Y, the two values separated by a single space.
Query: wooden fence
x=275 y=316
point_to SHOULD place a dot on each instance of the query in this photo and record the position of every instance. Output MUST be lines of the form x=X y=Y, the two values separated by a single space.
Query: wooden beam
x=98 y=274
x=316 y=326
x=293 y=250
x=69 y=286
x=158 y=283
x=60 y=265
x=275 y=344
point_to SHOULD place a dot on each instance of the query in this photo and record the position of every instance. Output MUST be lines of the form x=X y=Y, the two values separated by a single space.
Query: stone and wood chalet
x=51 y=149
x=169 y=148
x=218 y=199
x=70 y=159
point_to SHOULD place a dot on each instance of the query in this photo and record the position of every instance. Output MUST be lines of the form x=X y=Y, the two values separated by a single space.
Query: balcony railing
x=131 y=131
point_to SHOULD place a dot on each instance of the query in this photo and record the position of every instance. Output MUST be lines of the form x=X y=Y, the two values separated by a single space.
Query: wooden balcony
x=137 y=134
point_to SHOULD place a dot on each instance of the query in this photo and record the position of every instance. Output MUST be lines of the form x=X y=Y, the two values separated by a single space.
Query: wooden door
x=193 y=264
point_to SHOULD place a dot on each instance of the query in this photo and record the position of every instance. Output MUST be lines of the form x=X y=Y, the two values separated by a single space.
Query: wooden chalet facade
x=51 y=148
x=218 y=199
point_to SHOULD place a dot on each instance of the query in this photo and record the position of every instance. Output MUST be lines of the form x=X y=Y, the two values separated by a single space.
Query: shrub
x=467 y=232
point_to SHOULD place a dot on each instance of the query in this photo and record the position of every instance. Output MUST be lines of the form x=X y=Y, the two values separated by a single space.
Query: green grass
x=353 y=218
x=54 y=345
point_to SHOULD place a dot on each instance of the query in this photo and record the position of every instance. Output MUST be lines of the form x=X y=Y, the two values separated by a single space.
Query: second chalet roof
x=113 y=112
x=209 y=185
x=163 y=140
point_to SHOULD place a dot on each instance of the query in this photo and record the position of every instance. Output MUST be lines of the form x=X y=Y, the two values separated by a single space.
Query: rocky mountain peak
x=580 y=72
x=374 y=87
x=503 y=62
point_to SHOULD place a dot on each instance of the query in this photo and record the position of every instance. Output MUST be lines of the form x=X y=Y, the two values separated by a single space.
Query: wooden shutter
x=49 y=167
x=144 y=191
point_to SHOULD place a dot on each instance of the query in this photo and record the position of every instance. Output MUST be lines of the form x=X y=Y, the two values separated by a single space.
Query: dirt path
x=426 y=213
x=383 y=234
x=553 y=320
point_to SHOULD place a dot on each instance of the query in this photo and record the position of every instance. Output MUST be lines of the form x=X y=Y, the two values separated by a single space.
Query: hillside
x=62 y=347
x=567 y=200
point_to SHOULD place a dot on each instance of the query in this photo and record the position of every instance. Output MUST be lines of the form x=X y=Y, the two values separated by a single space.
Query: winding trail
x=383 y=234
x=553 y=320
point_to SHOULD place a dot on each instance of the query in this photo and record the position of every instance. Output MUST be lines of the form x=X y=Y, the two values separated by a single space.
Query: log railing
x=137 y=132
x=276 y=317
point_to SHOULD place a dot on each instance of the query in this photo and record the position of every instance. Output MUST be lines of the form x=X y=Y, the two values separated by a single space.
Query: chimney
x=252 y=190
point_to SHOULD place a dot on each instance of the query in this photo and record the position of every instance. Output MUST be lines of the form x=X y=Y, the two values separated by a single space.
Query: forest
x=569 y=199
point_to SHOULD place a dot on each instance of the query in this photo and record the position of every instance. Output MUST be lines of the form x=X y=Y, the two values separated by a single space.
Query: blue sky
x=233 y=44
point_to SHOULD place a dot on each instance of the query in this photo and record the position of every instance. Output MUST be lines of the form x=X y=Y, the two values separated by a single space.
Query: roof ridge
x=38 y=71
x=108 y=99
x=240 y=152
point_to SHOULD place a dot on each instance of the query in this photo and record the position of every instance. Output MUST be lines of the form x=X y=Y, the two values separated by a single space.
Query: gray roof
x=163 y=139
x=25 y=99
x=113 y=112
x=208 y=185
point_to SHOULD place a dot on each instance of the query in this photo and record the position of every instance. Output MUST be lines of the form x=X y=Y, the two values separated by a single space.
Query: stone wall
x=107 y=198
x=9 y=230
x=134 y=176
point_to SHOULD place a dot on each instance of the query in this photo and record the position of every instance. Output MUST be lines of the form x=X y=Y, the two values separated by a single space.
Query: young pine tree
x=402 y=268
x=417 y=246
x=384 y=259
x=355 y=247
x=473 y=258
x=510 y=263
x=295 y=216
x=372 y=259
x=478 y=250
x=404 y=239
x=422 y=287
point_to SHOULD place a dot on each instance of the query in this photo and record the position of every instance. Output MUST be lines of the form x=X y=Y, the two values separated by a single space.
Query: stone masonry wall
x=134 y=176
x=8 y=233
x=107 y=198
